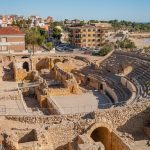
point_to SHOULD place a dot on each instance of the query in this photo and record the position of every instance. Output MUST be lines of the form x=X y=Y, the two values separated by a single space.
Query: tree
x=22 y=24
x=49 y=46
x=28 y=22
x=93 y=21
x=82 y=23
x=56 y=23
x=56 y=33
x=33 y=37
x=127 y=43
x=43 y=32
x=130 y=26
x=105 y=50
x=147 y=50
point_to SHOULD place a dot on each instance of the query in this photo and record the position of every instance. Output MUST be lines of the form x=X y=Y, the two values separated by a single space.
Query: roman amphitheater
x=75 y=102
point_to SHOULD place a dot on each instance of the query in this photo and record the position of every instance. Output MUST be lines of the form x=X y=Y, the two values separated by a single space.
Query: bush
x=105 y=50
x=148 y=83
x=95 y=53
x=127 y=43
x=147 y=50
x=49 y=46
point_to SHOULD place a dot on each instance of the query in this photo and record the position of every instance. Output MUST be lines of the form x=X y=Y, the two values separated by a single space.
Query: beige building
x=91 y=36
x=11 y=40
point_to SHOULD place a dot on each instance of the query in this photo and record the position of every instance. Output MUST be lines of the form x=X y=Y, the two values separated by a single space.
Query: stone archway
x=56 y=61
x=101 y=132
x=26 y=66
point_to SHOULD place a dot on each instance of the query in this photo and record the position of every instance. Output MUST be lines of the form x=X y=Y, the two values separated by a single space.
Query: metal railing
x=36 y=111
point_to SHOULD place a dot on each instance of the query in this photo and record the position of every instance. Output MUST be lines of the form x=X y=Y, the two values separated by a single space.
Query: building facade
x=11 y=40
x=89 y=36
x=7 y=20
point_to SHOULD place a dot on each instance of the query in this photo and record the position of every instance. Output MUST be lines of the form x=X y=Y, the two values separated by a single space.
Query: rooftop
x=10 y=31
x=94 y=25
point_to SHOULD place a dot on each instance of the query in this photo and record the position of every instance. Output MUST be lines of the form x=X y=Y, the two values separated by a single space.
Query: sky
x=131 y=10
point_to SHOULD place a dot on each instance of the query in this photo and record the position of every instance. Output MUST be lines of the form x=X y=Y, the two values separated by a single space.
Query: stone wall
x=118 y=143
x=1 y=72
x=129 y=85
x=42 y=98
x=128 y=119
x=19 y=72
x=35 y=64
x=58 y=91
x=66 y=78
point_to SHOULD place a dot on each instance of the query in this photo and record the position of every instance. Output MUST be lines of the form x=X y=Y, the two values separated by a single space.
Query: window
x=4 y=48
x=89 y=35
x=89 y=30
x=94 y=35
x=89 y=40
x=4 y=39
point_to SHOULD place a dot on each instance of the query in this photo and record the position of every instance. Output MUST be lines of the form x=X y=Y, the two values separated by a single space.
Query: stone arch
x=26 y=66
x=56 y=60
x=65 y=60
x=24 y=57
x=87 y=81
x=101 y=132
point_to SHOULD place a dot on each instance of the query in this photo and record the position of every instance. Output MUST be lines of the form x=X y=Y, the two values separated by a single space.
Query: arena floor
x=85 y=102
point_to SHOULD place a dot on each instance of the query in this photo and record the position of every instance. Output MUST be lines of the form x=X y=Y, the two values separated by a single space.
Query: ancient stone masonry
x=75 y=102
x=1 y=72
x=62 y=72
x=117 y=120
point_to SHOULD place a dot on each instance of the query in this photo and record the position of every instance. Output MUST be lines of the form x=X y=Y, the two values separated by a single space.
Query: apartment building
x=7 y=20
x=89 y=36
x=37 y=21
x=11 y=40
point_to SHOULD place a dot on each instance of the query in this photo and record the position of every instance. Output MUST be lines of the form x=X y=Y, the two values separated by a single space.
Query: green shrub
x=105 y=50
x=127 y=43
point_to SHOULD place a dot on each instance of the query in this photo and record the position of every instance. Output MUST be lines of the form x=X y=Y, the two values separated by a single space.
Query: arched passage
x=26 y=66
x=56 y=60
x=102 y=134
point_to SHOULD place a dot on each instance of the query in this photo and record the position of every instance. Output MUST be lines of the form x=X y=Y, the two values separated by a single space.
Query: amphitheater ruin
x=75 y=102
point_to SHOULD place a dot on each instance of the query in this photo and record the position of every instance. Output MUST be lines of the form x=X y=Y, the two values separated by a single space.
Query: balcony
x=78 y=36
x=78 y=41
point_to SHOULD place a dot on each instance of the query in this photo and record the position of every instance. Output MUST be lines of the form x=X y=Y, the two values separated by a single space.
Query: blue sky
x=134 y=10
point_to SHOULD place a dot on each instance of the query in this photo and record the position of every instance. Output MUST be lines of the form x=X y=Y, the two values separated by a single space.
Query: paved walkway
x=11 y=102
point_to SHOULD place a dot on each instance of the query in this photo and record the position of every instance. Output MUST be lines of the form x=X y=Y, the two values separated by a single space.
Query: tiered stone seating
x=122 y=93
x=140 y=74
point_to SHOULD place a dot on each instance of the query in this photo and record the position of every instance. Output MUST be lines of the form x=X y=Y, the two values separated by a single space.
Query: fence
x=35 y=111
